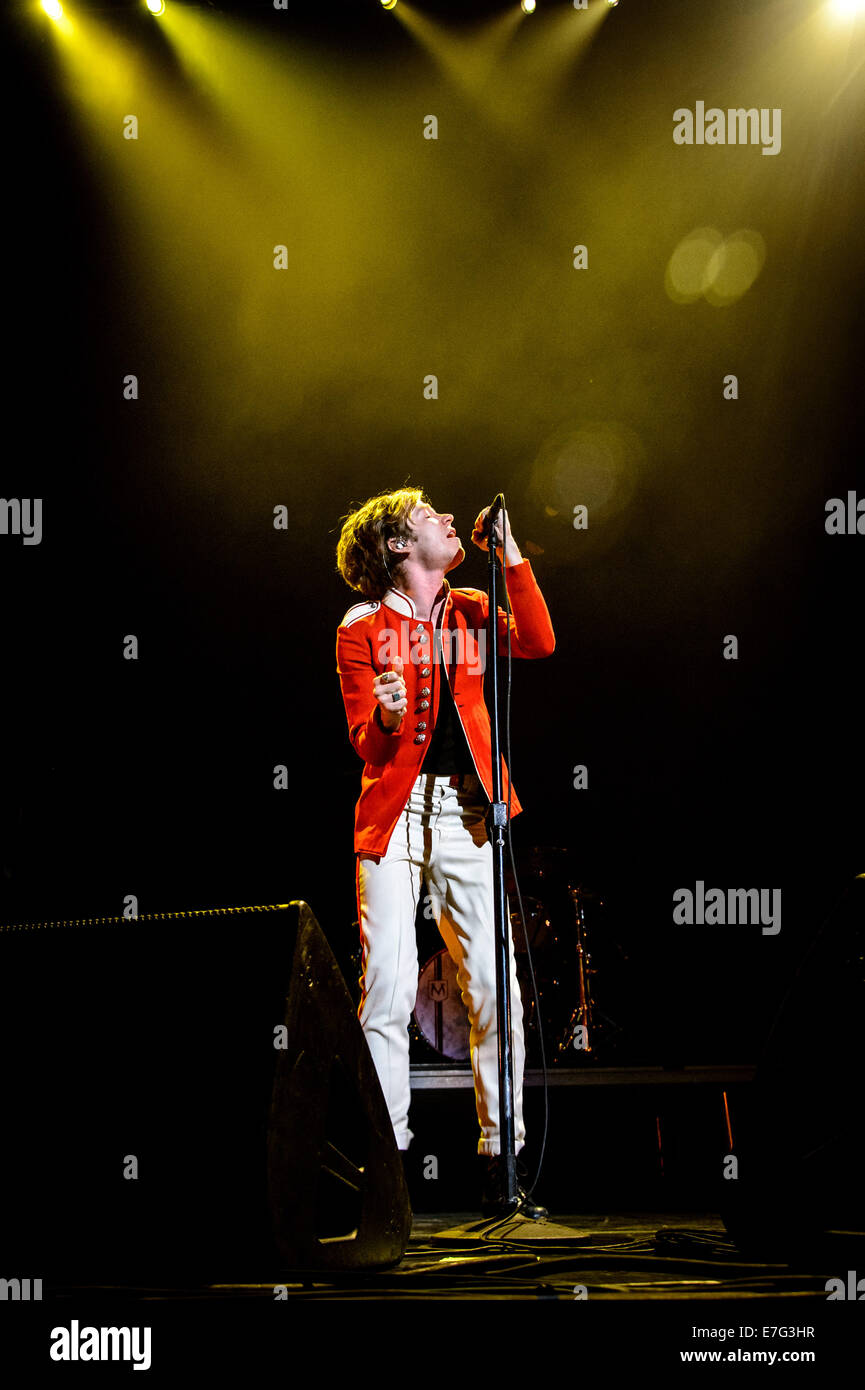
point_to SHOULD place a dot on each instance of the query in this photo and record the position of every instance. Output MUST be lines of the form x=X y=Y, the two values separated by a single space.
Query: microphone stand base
x=494 y=1202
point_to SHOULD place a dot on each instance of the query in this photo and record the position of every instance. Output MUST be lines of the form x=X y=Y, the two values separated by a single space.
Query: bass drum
x=439 y=1012
x=441 y=1018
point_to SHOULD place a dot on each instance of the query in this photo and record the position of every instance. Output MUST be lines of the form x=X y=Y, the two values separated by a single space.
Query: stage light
x=846 y=9
x=155 y=6
x=527 y=6
x=388 y=4
x=52 y=8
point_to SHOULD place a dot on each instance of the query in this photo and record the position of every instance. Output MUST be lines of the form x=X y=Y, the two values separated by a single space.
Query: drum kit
x=557 y=921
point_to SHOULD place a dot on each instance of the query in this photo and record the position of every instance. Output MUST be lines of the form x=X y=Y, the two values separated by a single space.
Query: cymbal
x=557 y=862
x=549 y=856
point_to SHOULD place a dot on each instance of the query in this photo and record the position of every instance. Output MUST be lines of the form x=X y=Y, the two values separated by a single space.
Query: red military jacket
x=372 y=634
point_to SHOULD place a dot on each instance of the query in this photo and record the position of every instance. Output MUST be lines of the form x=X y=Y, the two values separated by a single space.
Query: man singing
x=410 y=662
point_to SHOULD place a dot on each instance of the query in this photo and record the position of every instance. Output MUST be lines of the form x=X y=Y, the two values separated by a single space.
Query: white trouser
x=441 y=836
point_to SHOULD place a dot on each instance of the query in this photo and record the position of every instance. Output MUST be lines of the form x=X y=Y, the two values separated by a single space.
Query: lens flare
x=688 y=270
x=721 y=269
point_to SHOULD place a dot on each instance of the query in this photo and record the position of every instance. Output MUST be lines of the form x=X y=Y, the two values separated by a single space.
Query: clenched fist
x=511 y=550
x=390 y=691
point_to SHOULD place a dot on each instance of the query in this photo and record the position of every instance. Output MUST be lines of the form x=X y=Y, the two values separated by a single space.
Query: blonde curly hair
x=362 y=555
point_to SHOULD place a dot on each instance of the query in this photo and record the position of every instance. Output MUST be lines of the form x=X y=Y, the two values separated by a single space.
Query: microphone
x=492 y=516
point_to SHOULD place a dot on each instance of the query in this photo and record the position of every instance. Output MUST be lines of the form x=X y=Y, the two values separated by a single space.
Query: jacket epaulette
x=359 y=610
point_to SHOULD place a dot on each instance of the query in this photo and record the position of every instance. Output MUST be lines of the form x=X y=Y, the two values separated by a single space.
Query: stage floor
x=623 y=1256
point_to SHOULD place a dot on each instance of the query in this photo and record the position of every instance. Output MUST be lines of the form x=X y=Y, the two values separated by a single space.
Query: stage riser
x=602 y=1149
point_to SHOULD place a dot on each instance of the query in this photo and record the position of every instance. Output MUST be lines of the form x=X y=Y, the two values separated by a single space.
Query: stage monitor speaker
x=189 y=1094
x=800 y=1144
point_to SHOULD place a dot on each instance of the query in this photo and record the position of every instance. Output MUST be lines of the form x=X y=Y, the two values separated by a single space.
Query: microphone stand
x=497 y=820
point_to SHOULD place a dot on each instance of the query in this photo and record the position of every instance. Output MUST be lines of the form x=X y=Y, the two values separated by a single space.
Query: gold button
x=424 y=704
x=425 y=671
x=424 y=690
x=421 y=725
x=420 y=738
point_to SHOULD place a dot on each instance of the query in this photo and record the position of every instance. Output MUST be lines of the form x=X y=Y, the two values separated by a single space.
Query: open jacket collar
x=400 y=603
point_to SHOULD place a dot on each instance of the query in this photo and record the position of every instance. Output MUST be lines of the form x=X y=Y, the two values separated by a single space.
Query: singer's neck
x=424 y=588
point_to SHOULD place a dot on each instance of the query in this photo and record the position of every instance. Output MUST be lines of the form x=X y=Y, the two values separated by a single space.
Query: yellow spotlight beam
x=54 y=11
x=511 y=82
x=467 y=59
x=846 y=9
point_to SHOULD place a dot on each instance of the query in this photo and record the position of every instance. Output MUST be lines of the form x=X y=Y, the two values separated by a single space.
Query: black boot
x=493 y=1193
x=406 y=1164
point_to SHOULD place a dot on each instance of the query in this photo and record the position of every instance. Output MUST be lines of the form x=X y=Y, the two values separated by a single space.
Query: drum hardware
x=595 y=1022
x=563 y=968
x=539 y=927
x=582 y=1014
